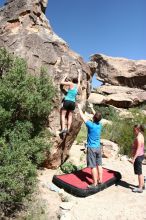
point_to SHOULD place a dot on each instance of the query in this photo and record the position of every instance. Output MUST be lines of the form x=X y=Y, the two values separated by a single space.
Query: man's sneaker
x=92 y=186
x=137 y=190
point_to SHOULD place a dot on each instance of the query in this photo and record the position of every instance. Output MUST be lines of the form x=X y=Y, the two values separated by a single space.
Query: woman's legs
x=63 y=114
x=138 y=171
x=69 y=121
x=141 y=181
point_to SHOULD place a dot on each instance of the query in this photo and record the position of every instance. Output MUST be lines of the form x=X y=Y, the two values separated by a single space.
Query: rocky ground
x=115 y=202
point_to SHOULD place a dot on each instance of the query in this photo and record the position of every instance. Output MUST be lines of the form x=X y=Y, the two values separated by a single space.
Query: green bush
x=68 y=167
x=107 y=131
x=17 y=175
x=108 y=112
x=25 y=103
x=6 y=61
x=82 y=135
x=121 y=131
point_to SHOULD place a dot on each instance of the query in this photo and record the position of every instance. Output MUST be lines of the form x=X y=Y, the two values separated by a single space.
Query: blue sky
x=112 y=27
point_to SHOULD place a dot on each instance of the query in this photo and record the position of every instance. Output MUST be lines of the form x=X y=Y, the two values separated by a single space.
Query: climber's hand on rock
x=90 y=105
x=79 y=106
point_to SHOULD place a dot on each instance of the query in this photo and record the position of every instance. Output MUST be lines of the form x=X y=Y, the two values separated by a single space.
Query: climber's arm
x=82 y=114
x=79 y=78
x=91 y=106
x=63 y=82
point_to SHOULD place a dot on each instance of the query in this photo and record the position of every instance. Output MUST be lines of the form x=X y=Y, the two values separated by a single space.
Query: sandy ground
x=115 y=202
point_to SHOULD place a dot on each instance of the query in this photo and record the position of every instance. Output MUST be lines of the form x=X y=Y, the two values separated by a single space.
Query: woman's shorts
x=138 y=165
x=68 y=105
x=94 y=157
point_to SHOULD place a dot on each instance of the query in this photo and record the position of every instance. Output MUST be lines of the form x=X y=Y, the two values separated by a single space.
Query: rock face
x=124 y=81
x=120 y=71
x=119 y=96
x=109 y=149
x=26 y=32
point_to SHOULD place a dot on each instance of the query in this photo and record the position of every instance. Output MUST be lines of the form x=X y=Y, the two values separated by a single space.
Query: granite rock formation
x=26 y=32
x=124 y=81
x=118 y=96
x=119 y=71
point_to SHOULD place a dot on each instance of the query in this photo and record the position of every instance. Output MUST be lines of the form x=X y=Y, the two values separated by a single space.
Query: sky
x=115 y=28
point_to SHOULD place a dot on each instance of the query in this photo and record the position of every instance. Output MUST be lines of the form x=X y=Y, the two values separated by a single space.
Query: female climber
x=138 y=156
x=69 y=102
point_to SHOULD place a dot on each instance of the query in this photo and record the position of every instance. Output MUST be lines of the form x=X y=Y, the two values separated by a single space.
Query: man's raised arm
x=83 y=116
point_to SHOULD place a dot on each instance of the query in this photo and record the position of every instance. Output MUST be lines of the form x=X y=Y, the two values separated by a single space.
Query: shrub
x=6 y=61
x=121 y=131
x=82 y=135
x=108 y=112
x=68 y=167
x=25 y=103
x=16 y=174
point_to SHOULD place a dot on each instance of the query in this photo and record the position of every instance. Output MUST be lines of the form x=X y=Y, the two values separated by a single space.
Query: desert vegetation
x=25 y=103
x=121 y=129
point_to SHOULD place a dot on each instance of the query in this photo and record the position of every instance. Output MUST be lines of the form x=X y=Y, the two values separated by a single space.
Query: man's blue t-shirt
x=94 y=132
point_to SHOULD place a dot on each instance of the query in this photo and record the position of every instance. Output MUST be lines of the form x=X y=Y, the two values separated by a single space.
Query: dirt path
x=115 y=202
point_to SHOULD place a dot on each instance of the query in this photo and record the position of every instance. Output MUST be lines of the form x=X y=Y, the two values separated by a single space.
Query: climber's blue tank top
x=71 y=94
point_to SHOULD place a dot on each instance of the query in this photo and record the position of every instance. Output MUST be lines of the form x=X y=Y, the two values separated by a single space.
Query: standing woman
x=138 y=156
x=69 y=102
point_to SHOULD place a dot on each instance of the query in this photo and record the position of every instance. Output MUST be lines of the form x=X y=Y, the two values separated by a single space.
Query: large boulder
x=119 y=71
x=25 y=31
x=119 y=96
x=124 y=81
